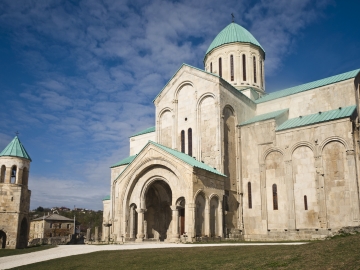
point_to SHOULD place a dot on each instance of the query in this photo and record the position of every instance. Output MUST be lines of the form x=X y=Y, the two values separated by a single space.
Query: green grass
x=337 y=253
x=9 y=252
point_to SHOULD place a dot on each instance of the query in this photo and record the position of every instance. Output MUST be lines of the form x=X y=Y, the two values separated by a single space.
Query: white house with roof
x=227 y=159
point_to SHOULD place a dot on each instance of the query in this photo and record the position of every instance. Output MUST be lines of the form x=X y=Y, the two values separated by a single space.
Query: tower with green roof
x=15 y=195
x=237 y=57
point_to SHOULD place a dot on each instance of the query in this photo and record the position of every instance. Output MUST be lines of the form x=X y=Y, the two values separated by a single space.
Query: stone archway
x=2 y=239
x=158 y=215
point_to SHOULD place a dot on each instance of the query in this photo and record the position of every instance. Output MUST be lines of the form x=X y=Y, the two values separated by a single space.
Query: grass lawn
x=9 y=252
x=337 y=253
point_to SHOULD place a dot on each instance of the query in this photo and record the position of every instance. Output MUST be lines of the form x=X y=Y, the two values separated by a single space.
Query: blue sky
x=77 y=78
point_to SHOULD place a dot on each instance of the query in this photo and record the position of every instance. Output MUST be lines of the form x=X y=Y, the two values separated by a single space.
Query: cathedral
x=226 y=159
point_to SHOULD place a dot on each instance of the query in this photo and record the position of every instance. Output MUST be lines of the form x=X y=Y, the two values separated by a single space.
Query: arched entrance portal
x=2 y=239
x=158 y=213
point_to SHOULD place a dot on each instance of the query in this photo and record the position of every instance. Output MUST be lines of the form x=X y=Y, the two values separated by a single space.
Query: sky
x=77 y=78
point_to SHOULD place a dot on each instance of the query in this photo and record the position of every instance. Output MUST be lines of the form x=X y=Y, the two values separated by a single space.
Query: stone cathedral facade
x=227 y=159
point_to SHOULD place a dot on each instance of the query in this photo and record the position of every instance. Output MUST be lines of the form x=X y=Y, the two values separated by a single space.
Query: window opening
x=261 y=70
x=13 y=174
x=232 y=67
x=254 y=61
x=305 y=202
x=190 y=142
x=220 y=67
x=275 y=197
x=211 y=67
x=183 y=141
x=244 y=67
x=249 y=195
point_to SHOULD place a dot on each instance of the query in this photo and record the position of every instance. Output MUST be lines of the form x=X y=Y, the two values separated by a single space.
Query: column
x=320 y=186
x=207 y=218
x=132 y=223
x=354 y=196
x=19 y=176
x=8 y=175
x=190 y=220
x=175 y=224
x=219 y=223
x=263 y=196
x=290 y=194
x=140 y=235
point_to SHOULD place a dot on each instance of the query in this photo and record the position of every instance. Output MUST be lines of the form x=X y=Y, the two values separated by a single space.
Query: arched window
x=244 y=67
x=254 y=64
x=249 y=195
x=305 y=202
x=183 y=141
x=190 y=142
x=275 y=197
x=232 y=67
x=211 y=67
x=220 y=67
x=2 y=174
x=13 y=175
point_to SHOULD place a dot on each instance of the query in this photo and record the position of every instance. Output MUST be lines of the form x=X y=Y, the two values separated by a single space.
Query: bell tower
x=14 y=195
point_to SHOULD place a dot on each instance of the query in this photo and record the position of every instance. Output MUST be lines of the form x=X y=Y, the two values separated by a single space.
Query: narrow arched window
x=13 y=175
x=244 y=67
x=190 y=142
x=220 y=67
x=254 y=64
x=305 y=203
x=183 y=141
x=211 y=67
x=249 y=195
x=232 y=67
x=275 y=197
x=261 y=75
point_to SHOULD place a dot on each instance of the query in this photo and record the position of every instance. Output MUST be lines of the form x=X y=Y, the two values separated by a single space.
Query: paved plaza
x=70 y=250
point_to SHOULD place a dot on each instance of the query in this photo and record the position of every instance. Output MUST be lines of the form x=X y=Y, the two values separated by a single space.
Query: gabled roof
x=178 y=71
x=319 y=117
x=308 y=86
x=181 y=156
x=54 y=217
x=231 y=34
x=15 y=149
x=203 y=71
x=187 y=159
x=124 y=161
x=263 y=117
x=148 y=130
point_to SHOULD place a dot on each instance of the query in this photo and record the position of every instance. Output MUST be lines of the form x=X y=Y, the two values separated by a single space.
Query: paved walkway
x=69 y=250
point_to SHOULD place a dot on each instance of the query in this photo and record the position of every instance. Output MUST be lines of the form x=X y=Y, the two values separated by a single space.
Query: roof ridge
x=308 y=86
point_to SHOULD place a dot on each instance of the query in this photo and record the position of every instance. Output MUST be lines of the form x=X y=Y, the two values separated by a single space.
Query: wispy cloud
x=95 y=66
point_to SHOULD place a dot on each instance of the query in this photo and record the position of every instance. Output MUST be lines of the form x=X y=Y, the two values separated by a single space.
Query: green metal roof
x=187 y=159
x=124 y=161
x=319 y=117
x=308 y=86
x=263 y=117
x=148 y=130
x=233 y=33
x=15 y=149
x=106 y=198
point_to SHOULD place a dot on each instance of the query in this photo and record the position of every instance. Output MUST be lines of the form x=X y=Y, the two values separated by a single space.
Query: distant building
x=52 y=225
x=14 y=195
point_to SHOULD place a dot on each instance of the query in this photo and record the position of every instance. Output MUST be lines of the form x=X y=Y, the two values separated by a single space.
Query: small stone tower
x=14 y=196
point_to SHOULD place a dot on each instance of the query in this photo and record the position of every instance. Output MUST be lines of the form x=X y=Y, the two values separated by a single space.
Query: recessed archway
x=2 y=239
x=158 y=215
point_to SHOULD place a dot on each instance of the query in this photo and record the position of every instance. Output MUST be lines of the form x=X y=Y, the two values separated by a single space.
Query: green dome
x=233 y=33
x=15 y=149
